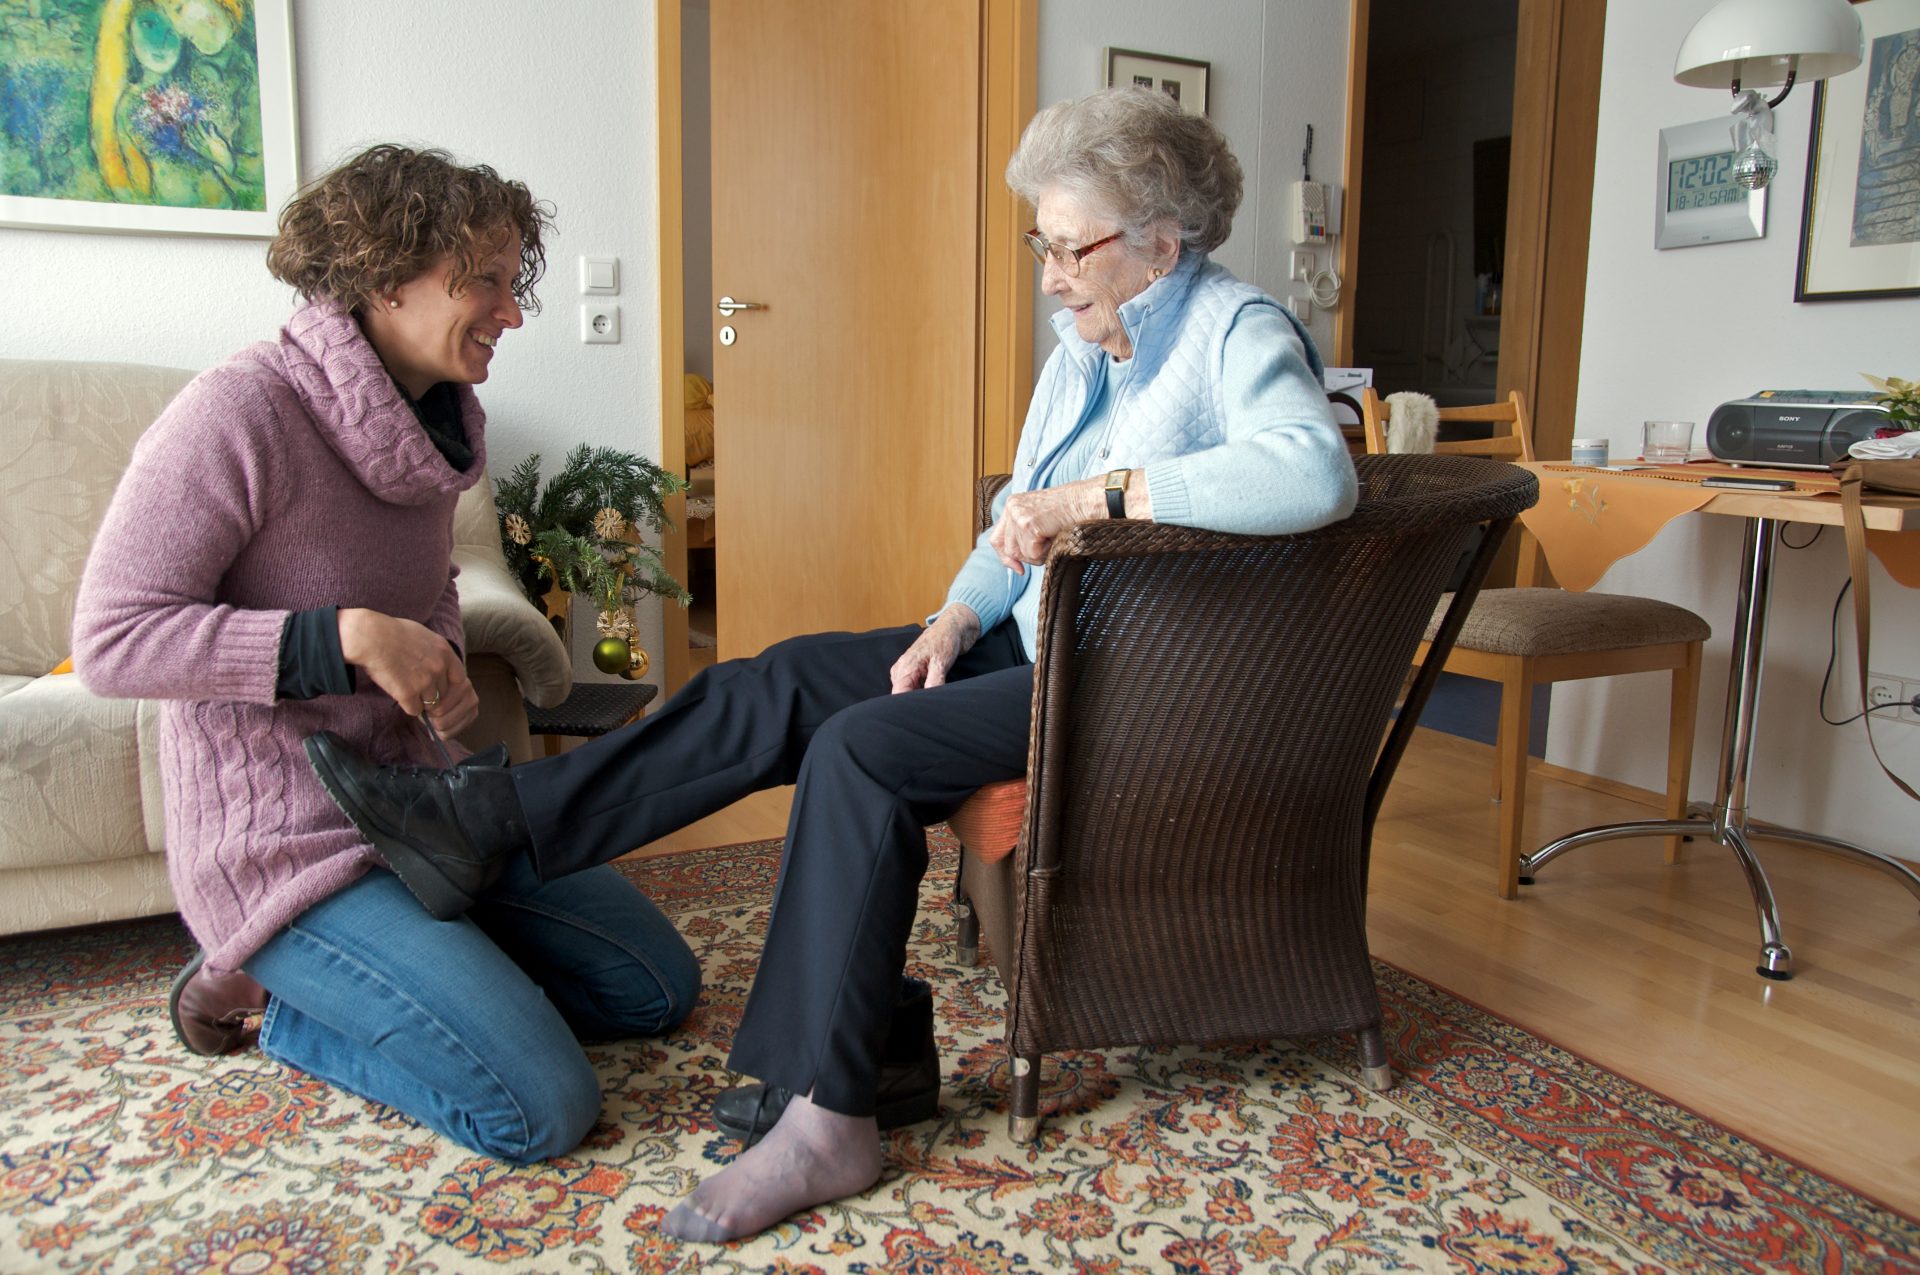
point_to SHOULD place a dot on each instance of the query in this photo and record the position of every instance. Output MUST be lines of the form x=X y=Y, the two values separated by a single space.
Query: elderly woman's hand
x=1031 y=519
x=933 y=653
x=412 y=664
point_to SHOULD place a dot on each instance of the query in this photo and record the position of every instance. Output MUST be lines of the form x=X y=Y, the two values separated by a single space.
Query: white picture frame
x=115 y=205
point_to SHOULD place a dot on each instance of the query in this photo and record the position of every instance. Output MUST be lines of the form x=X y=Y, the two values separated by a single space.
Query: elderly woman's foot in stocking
x=812 y=1156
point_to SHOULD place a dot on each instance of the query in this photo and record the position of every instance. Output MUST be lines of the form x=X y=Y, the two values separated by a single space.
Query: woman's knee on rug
x=650 y=992
x=610 y=961
x=547 y=1111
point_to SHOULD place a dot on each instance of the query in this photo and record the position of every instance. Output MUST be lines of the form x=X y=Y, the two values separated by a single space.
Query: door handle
x=728 y=306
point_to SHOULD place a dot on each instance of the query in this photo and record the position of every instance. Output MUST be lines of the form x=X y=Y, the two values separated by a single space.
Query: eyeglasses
x=1068 y=259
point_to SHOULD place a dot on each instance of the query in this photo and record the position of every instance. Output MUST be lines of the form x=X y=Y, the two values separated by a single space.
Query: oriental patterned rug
x=119 y=1152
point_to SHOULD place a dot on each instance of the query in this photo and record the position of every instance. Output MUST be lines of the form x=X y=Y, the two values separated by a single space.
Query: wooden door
x=846 y=180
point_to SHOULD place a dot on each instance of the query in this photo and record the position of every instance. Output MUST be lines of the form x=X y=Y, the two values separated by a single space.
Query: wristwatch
x=1117 y=492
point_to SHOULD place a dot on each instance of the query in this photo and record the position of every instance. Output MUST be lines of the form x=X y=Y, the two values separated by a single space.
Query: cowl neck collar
x=363 y=416
x=1165 y=290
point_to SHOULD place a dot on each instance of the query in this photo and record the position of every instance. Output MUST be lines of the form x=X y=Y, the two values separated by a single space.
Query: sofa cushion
x=71 y=788
x=66 y=431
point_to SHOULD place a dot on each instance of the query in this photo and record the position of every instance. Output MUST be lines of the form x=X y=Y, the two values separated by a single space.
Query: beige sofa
x=81 y=816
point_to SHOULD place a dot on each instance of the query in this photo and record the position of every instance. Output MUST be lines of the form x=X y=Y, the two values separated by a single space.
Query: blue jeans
x=472 y=1027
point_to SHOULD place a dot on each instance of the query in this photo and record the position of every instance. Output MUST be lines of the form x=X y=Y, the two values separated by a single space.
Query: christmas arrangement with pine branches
x=582 y=533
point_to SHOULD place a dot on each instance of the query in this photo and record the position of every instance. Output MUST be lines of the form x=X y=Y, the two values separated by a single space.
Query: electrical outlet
x=1301 y=266
x=1884 y=688
x=599 y=323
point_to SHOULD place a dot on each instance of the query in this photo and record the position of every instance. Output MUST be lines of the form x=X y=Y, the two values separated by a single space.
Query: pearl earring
x=393 y=303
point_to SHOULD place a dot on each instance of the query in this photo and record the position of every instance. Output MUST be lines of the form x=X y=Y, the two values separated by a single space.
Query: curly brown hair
x=390 y=213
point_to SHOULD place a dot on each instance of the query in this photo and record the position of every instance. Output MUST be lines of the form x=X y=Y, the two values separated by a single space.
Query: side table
x=590 y=710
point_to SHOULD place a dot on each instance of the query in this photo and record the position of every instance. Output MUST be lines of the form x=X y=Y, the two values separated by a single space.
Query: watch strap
x=1117 y=492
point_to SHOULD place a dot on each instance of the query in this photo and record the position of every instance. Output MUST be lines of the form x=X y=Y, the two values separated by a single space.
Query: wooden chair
x=1205 y=767
x=1529 y=635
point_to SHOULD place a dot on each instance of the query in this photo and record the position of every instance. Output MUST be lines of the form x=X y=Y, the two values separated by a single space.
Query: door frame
x=673 y=329
x=1556 y=95
x=1003 y=345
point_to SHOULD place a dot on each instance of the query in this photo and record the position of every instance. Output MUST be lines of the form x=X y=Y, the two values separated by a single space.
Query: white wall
x=1277 y=66
x=557 y=95
x=1670 y=335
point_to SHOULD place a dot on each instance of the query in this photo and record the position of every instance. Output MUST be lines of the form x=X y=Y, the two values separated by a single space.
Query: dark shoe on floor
x=447 y=834
x=210 y=1011
x=909 y=1090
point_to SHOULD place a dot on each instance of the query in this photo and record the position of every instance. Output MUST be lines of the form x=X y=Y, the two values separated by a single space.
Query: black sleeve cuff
x=311 y=664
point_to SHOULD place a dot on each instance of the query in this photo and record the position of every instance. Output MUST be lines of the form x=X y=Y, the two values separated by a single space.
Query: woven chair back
x=1207 y=755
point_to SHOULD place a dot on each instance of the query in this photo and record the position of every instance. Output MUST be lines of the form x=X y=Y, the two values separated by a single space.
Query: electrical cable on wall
x=1323 y=285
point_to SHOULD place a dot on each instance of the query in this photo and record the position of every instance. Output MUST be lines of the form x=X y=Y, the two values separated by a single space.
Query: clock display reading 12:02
x=1702 y=181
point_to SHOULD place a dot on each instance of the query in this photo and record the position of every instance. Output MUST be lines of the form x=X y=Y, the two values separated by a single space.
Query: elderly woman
x=275 y=562
x=1177 y=394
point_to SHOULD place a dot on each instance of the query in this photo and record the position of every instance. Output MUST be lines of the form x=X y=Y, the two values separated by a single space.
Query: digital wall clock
x=1696 y=199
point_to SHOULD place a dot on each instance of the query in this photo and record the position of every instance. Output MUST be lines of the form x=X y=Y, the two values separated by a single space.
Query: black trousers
x=872 y=769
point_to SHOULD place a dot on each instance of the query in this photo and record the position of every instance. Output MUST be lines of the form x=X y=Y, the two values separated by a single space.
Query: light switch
x=600 y=276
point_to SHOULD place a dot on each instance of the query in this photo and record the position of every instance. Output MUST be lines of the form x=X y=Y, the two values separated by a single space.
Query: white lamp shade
x=1753 y=40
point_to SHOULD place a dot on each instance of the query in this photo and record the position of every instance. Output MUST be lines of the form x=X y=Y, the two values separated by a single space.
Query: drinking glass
x=1666 y=442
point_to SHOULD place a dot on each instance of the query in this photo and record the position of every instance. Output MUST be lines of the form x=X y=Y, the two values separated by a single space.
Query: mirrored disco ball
x=1754 y=168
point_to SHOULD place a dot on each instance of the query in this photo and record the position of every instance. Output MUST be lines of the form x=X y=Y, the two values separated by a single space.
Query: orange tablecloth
x=1589 y=519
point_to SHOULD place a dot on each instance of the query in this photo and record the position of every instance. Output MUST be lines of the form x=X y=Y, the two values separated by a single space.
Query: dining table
x=1588 y=517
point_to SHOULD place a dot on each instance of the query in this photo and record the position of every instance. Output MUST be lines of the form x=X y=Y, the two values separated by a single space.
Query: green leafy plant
x=1902 y=399
x=581 y=529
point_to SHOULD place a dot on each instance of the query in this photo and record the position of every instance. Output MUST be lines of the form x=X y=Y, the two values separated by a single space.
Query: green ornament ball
x=612 y=655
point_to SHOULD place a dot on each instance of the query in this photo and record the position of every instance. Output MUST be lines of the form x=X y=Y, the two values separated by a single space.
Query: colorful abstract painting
x=165 y=115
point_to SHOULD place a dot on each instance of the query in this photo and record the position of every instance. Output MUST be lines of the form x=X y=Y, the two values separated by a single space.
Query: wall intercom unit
x=1312 y=212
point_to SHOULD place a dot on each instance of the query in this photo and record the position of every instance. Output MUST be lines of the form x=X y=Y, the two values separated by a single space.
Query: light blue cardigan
x=1221 y=405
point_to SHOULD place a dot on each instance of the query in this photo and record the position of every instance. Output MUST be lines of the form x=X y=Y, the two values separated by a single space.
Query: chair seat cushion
x=988 y=823
x=1532 y=622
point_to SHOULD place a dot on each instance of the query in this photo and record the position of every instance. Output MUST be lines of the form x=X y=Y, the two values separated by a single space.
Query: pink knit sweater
x=293 y=476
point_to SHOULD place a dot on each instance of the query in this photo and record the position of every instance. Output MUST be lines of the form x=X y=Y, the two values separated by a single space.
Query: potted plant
x=1903 y=403
x=580 y=533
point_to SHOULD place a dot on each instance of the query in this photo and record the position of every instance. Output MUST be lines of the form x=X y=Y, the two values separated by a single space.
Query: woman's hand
x=412 y=664
x=933 y=653
x=1031 y=519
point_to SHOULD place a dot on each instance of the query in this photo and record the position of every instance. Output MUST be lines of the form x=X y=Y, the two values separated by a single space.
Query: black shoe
x=495 y=757
x=447 y=834
x=909 y=1089
x=210 y=1012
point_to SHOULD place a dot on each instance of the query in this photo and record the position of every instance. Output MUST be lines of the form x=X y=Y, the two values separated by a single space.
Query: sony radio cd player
x=1792 y=429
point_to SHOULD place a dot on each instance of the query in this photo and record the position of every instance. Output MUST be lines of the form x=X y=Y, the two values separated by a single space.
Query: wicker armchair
x=1205 y=767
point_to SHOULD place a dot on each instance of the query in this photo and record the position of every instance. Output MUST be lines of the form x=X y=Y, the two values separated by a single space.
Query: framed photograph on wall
x=1182 y=79
x=1860 y=229
x=148 y=118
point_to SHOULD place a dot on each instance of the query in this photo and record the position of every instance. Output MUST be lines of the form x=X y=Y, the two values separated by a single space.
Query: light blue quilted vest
x=1167 y=398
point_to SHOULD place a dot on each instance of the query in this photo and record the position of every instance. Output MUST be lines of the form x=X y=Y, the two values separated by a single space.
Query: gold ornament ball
x=612 y=655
